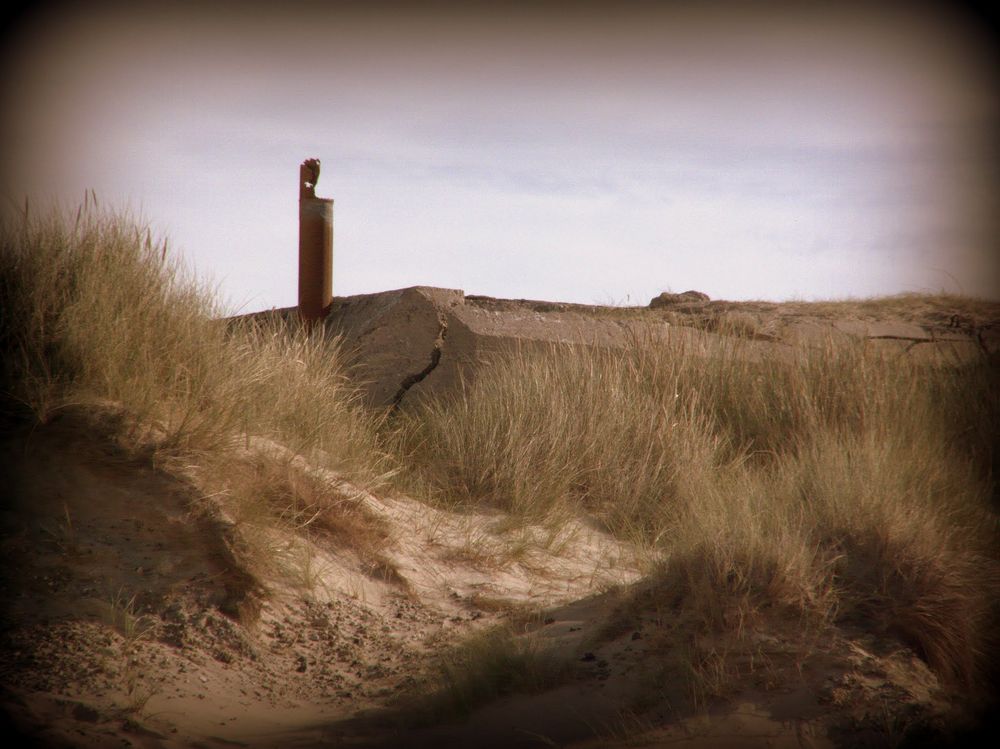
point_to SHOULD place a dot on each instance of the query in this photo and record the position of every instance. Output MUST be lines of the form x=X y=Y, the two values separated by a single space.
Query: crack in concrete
x=418 y=377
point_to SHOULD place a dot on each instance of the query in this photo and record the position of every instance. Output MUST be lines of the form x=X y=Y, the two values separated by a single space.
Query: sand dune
x=133 y=619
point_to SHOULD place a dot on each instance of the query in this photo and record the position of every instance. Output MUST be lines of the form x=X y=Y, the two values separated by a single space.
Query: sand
x=130 y=621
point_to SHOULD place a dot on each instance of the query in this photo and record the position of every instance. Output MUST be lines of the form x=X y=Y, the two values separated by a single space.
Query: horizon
x=598 y=156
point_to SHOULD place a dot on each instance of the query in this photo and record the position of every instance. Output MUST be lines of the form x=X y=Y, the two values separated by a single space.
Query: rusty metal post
x=315 y=246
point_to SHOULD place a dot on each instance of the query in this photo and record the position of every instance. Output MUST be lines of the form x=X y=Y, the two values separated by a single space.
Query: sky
x=584 y=152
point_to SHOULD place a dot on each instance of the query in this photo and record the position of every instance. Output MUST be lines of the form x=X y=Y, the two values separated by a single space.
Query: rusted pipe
x=315 y=246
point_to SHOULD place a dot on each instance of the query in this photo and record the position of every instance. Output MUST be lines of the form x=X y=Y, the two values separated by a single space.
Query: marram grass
x=834 y=482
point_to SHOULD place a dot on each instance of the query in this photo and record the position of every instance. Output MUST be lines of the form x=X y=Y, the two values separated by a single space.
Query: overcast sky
x=593 y=153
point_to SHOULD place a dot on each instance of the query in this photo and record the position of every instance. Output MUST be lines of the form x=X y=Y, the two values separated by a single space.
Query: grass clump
x=135 y=630
x=550 y=432
x=837 y=484
x=734 y=323
x=96 y=313
x=267 y=493
x=489 y=665
x=94 y=309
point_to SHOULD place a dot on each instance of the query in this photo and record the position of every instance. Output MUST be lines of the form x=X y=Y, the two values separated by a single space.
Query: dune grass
x=96 y=314
x=839 y=483
x=490 y=664
x=939 y=307
x=546 y=434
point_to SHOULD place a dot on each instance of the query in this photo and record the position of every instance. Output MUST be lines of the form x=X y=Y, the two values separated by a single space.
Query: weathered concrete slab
x=424 y=340
x=952 y=353
x=393 y=339
x=800 y=332
x=919 y=343
x=476 y=334
x=891 y=329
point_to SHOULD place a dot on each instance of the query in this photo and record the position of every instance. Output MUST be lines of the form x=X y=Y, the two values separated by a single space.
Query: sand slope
x=123 y=627
x=129 y=619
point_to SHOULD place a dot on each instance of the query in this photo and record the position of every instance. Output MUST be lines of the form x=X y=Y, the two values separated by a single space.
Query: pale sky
x=596 y=153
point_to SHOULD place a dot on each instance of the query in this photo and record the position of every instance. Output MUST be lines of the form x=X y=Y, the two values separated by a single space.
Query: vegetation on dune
x=839 y=482
x=836 y=482
x=95 y=313
x=489 y=665
x=941 y=307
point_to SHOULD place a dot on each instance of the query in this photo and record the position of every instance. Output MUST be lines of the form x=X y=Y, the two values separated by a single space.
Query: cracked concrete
x=436 y=352
x=423 y=340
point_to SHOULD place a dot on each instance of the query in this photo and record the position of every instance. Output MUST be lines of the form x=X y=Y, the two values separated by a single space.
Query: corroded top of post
x=308 y=177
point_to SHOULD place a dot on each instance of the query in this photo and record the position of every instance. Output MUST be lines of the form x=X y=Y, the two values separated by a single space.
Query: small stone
x=667 y=298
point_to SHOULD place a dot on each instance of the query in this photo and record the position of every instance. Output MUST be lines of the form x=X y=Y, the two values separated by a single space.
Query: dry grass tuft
x=837 y=484
x=738 y=324
x=483 y=668
x=95 y=312
x=546 y=435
